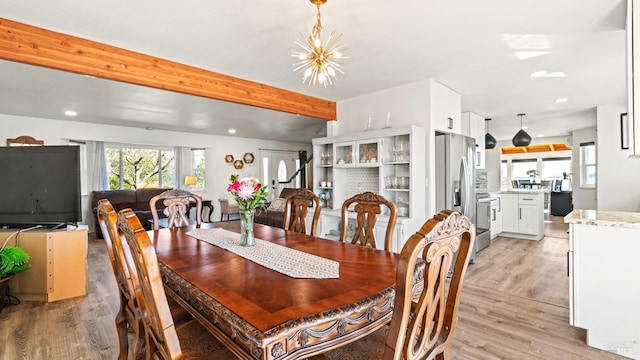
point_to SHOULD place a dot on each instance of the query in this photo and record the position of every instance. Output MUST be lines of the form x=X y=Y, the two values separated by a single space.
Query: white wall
x=583 y=198
x=618 y=177
x=58 y=132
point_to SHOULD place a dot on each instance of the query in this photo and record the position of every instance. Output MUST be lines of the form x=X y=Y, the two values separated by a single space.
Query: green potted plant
x=13 y=260
x=532 y=174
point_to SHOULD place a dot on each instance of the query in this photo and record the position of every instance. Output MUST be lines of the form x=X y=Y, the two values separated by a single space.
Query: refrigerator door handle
x=463 y=187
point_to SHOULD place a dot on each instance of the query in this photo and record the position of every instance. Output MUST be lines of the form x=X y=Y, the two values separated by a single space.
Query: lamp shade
x=521 y=138
x=489 y=140
x=190 y=180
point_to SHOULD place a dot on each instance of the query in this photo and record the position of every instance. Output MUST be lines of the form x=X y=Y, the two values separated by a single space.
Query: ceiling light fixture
x=232 y=131
x=521 y=138
x=70 y=113
x=318 y=61
x=546 y=74
x=561 y=100
x=489 y=140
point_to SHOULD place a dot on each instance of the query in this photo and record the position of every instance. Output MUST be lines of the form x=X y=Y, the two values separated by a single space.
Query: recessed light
x=561 y=100
x=545 y=73
x=149 y=128
x=70 y=113
x=232 y=131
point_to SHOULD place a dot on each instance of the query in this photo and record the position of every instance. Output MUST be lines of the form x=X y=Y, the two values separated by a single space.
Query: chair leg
x=121 y=328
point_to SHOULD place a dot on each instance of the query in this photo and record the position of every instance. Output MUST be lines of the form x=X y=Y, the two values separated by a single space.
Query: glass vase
x=246 y=228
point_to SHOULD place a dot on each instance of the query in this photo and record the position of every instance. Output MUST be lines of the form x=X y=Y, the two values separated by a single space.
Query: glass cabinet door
x=368 y=151
x=343 y=154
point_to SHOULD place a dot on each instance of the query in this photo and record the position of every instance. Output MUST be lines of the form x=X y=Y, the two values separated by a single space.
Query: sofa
x=274 y=214
x=137 y=200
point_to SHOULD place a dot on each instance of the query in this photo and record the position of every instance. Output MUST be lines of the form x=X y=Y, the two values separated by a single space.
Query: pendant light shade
x=521 y=138
x=489 y=140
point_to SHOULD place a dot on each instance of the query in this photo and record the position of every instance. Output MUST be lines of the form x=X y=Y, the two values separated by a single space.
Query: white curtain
x=183 y=165
x=100 y=173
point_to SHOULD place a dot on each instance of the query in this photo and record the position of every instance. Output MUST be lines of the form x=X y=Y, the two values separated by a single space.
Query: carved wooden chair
x=127 y=318
x=422 y=327
x=297 y=208
x=164 y=338
x=367 y=207
x=176 y=203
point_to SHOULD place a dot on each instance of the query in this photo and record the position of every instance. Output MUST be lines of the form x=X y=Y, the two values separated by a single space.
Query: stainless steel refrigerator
x=455 y=175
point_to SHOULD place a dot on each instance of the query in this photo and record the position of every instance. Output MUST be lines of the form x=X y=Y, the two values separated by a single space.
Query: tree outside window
x=131 y=168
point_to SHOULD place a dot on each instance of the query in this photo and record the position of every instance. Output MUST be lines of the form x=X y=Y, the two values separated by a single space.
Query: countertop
x=604 y=218
x=524 y=191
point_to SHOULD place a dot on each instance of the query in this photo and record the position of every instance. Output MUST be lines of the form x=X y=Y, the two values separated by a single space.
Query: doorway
x=277 y=168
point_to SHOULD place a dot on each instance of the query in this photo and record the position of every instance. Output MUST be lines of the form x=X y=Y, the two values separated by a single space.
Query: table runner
x=290 y=262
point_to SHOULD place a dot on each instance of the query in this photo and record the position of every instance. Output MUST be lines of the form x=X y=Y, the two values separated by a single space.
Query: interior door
x=282 y=164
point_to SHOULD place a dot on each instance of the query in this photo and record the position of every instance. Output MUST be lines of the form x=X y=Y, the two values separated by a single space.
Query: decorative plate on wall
x=238 y=164
x=248 y=158
x=228 y=158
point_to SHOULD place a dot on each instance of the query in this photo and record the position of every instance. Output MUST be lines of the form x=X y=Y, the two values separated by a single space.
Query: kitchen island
x=603 y=271
x=523 y=213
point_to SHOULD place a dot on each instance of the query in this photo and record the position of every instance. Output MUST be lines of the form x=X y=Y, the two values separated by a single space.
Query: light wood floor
x=514 y=306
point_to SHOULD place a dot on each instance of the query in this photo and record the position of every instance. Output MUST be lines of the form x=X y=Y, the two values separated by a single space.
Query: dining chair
x=422 y=328
x=164 y=338
x=367 y=207
x=176 y=204
x=297 y=208
x=227 y=208
x=127 y=318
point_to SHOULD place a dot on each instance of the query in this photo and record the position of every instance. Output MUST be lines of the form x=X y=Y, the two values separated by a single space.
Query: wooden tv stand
x=59 y=263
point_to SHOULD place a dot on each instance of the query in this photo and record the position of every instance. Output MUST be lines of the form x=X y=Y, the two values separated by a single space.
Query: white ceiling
x=483 y=49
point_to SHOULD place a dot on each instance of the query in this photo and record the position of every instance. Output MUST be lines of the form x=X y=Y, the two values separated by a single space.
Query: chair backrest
x=423 y=328
x=107 y=219
x=297 y=208
x=176 y=203
x=367 y=207
x=160 y=333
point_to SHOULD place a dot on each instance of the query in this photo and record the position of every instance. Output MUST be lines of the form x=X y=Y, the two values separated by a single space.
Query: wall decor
x=228 y=158
x=248 y=158
x=24 y=141
x=238 y=164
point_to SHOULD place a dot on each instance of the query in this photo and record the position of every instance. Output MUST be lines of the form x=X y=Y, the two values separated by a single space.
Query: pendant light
x=521 y=138
x=489 y=140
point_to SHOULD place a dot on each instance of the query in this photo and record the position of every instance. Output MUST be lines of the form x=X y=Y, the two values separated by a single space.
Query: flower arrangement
x=248 y=192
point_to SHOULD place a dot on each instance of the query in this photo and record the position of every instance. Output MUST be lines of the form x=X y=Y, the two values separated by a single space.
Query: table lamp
x=190 y=180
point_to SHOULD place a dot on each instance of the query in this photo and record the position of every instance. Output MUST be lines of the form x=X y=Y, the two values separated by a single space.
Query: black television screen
x=39 y=185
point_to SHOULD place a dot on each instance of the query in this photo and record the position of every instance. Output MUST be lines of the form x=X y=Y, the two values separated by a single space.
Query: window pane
x=113 y=166
x=555 y=169
x=199 y=167
x=588 y=165
x=519 y=168
x=168 y=169
x=282 y=171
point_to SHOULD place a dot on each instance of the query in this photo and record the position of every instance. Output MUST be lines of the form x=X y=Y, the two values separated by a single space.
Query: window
x=588 y=164
x=556 y=168
x=198 y=163
x=136 y=168
x=503 y=174
x=519 y=168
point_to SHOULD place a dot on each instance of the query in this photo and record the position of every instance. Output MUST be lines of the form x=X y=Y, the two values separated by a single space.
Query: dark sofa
x=272 y=217
x=137 y=200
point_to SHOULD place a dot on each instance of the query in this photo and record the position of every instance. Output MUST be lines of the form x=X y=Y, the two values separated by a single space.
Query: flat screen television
x=39 y=185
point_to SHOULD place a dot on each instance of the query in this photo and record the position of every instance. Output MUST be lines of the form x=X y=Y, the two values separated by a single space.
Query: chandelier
x=317 y=60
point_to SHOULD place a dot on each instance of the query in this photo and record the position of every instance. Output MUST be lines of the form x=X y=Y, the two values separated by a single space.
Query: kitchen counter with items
x=603 y=286
x=524 y=191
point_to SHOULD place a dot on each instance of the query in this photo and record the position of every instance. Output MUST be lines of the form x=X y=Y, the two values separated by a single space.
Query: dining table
x=260 y=313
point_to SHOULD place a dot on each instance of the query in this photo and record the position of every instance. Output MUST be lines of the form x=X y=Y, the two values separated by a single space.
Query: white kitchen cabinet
x=473 y=126
x=389 y=162
x=496 y=216
x=522 y=215
x=603 y=286
x=445 y=109
x=630 y=129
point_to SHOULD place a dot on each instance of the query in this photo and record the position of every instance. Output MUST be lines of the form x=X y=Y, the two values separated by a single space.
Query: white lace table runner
x=291 y=262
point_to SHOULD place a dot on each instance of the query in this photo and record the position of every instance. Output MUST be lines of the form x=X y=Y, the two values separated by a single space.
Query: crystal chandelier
x=319 y=61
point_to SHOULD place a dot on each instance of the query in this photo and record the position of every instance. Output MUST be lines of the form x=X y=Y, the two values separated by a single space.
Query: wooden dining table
x=259 y=313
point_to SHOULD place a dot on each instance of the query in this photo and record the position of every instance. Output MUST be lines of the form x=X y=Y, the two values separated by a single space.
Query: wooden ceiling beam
x=41 y=47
